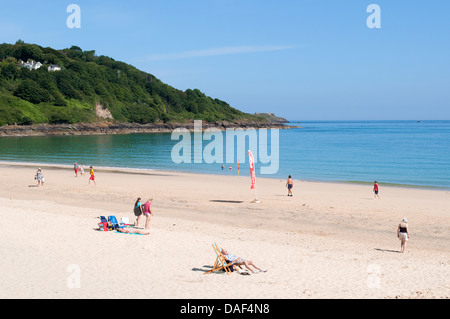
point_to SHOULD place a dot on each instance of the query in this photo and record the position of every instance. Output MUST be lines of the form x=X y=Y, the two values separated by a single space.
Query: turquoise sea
x=413 y=153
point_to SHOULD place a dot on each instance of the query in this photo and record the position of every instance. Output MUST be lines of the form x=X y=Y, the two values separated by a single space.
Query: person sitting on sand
x=403 y=233
x=240 y=261
x=128 y=230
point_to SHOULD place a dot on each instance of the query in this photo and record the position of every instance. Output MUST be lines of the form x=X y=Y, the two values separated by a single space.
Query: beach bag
x=103 y=226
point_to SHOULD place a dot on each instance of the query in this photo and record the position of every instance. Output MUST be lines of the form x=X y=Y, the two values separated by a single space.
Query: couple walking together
x=143 y=209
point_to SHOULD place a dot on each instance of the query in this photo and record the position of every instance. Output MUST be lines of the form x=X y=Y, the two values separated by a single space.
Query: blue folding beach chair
x=114 y=222
x=105 y=224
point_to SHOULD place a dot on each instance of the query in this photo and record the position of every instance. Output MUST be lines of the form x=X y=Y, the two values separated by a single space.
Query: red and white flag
x=252 y=169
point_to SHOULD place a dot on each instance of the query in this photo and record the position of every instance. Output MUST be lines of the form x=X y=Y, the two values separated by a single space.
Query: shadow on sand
x=388 y=250
x=226 y=201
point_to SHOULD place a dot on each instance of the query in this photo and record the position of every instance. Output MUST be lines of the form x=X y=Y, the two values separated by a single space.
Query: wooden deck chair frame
x=220 y=262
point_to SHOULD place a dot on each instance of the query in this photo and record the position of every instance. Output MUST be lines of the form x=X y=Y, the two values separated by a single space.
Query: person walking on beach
x=92 y=178
x=403 y=234
x=75 y=168
x=289 y=185
x=137 y=211
x=39 y=177
x=81 y=169
x=375 y=190
x=148 y=212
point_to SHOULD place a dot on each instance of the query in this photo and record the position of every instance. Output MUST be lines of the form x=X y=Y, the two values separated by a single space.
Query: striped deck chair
x=221 y=262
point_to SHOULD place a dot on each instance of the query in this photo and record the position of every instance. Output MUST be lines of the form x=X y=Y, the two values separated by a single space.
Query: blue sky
x=303 y=60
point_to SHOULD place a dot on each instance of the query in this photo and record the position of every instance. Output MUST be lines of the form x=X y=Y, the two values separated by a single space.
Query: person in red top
x=148 y=212
x=375 y=189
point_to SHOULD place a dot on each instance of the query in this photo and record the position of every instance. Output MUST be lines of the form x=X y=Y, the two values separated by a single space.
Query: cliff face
x=102 y=112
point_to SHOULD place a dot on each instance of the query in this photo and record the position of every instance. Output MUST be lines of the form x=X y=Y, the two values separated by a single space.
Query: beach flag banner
x=252 y=175
x=239 y=163
x=252 y=169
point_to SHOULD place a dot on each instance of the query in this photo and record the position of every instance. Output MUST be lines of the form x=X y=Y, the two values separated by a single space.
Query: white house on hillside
x=54 y=67
x=31 y=65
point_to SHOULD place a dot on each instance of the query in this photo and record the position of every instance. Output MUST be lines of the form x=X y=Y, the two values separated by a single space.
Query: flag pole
x=252 y=175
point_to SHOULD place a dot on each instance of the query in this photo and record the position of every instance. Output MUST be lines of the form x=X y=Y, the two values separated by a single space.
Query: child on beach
x=92 y=178
x=75 y=168
x=81 y=169
x=375 y=190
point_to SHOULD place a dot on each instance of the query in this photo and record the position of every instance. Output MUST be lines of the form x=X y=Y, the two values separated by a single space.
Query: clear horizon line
x=361 y=120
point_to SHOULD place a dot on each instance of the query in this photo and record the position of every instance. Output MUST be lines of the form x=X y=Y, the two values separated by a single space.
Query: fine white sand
x=329 y=240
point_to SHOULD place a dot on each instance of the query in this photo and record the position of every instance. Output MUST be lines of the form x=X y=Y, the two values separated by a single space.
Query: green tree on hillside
x=70 y=95
x=31 y=91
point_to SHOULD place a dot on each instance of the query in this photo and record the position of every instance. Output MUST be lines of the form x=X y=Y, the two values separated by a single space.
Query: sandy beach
x=330 y=240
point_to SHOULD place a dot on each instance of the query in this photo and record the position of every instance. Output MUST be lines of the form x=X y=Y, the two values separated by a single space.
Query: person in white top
x=235 y=260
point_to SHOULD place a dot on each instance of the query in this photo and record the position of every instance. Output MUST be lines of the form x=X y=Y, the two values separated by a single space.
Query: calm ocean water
x=391 y=152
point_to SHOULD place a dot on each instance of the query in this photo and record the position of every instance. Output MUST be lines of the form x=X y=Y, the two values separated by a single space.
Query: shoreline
x=151 y=171
x=105 y=128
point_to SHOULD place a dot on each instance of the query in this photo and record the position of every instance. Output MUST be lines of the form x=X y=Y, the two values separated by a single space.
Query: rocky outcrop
x=106 y=127
x=271 y=117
